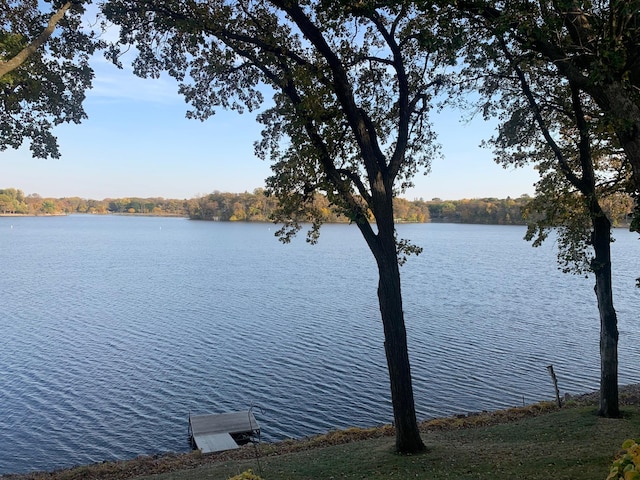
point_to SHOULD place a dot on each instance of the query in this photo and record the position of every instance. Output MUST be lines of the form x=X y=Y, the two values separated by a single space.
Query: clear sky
x=138 y=143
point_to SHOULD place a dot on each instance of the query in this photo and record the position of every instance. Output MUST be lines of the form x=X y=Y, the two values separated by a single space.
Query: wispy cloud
x=114 y=84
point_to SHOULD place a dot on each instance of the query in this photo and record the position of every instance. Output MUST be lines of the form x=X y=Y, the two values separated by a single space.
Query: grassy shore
x=535 y=442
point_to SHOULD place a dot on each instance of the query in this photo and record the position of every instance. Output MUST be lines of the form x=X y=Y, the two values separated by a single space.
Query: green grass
x=534 y=442
x=572 y=443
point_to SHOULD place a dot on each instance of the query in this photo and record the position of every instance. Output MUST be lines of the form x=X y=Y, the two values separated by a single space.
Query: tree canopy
x=594 y=46
x=44 y=71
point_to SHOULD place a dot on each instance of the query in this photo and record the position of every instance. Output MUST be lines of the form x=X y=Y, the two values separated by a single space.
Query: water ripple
x=114 y=330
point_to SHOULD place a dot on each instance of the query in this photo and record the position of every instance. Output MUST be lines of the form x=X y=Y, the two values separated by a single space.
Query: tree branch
x=404 y=110
x=357 y=181
x=497 y=22
x=533 y=104
x=26 y=52
x=584 y=144
x=368 y=144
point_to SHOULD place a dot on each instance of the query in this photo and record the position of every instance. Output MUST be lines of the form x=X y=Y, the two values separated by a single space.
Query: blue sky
x=137 y=142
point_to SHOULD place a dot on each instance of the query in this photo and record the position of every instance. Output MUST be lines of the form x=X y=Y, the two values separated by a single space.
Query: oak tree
x=351 y=83
x=553 y=121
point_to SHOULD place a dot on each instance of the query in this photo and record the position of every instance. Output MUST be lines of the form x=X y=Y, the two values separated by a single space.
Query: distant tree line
x=234 y=207
x=514 y=211
x=258 y=207
x=479 y=210
x=14 y=202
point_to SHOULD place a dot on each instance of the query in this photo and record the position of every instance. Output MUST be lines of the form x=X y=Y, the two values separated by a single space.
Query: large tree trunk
x=608 y=320
x=408 y=438
x=601 y=266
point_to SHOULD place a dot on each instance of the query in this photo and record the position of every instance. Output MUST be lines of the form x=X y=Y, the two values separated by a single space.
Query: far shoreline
x=33 y=215
x=170 y=215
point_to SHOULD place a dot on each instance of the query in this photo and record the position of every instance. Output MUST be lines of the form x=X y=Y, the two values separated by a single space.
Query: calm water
x=113 y=329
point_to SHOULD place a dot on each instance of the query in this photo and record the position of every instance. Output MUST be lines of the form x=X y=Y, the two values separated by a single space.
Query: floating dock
x=222 y=431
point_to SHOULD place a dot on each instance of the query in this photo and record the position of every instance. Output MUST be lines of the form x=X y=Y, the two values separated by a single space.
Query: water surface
x=115 y=328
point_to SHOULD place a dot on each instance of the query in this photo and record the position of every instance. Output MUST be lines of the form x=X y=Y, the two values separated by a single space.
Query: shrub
x=627 y=465
x=246 y=475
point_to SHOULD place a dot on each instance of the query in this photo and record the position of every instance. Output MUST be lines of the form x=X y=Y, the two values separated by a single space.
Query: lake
x=115 y=328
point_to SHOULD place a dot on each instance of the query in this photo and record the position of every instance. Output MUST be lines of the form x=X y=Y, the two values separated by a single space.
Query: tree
x=551 y=121
x=352 y=85
x=593 y=45
x=44 y=72
x=12 y=201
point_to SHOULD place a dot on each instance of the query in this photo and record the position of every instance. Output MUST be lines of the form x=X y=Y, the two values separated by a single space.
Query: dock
x=222 y=431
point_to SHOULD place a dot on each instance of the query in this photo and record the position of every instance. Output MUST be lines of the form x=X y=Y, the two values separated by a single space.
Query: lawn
x=535 y=442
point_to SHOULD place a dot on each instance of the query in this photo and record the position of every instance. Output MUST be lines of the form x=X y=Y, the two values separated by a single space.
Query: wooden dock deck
x=223 y=431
